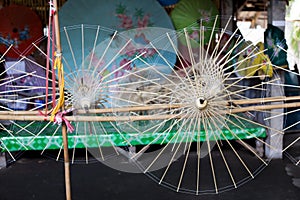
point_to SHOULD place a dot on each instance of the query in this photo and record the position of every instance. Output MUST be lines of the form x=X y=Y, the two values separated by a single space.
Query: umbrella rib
x=70 y=47
x=188 y=150
x=209 y=153
x=223 y=157
x=82 y=47
x=94 y=47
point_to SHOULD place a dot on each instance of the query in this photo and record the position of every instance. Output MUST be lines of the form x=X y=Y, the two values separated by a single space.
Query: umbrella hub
x=201 y=103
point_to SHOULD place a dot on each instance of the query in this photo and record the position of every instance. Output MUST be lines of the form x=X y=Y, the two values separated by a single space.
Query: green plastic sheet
x=51 y=138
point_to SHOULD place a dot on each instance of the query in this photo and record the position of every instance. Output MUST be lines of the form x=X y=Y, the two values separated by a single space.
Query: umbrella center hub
x=201 y=103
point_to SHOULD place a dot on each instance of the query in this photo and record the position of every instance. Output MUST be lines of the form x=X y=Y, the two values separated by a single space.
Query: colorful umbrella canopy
x=196 y=18
x=167 y=2
x=19 y=27
x=131 y=17
x=115 y=14
x=193 y=13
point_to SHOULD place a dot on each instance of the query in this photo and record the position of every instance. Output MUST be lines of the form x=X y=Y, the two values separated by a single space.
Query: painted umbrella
x=19 y=27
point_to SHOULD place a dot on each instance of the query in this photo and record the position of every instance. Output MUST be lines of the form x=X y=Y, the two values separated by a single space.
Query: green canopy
x=193 y=13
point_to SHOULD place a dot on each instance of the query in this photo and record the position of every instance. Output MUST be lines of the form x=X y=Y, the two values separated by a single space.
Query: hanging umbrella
x=19 y=27
x=169 y=5
x=114 y=15
x=194 y=13
x=168 y=2
x=196 y=18
x=141 y=41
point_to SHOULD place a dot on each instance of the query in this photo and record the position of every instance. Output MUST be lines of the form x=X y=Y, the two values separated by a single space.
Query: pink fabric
x=59 y=118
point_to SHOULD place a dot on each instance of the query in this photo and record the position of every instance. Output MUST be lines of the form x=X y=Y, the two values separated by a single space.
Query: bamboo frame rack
x=35 y=116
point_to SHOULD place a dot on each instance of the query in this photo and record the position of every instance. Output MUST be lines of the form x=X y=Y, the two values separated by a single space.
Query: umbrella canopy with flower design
x=133 y=18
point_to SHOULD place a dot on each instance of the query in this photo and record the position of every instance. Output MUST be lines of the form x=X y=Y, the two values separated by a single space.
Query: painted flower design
x=137 y=19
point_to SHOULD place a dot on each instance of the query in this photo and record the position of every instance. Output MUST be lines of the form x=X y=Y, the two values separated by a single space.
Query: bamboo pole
x=264 y=107
x=103 y=110
x=265 y=100
x=64 y=127
x=172 y=106
x=89 y=118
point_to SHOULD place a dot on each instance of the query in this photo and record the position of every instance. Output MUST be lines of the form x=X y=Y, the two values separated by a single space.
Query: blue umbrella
x=168 y=2
x=114 y=15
